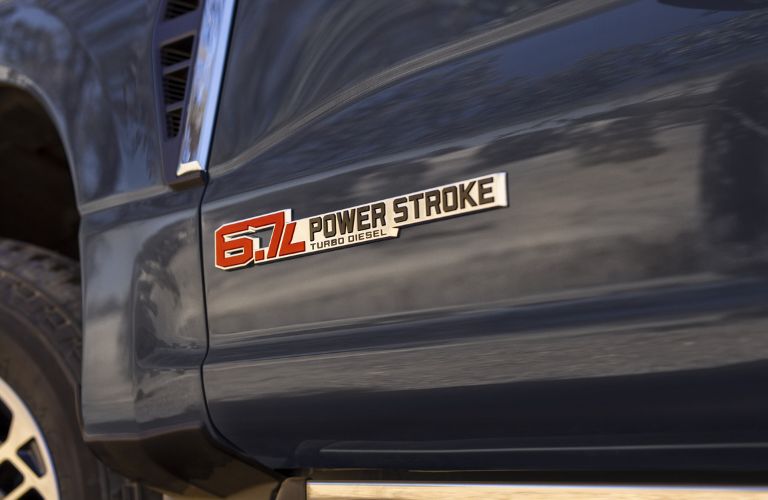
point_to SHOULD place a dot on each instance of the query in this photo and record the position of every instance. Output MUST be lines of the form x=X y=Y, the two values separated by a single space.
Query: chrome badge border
x=237 y=246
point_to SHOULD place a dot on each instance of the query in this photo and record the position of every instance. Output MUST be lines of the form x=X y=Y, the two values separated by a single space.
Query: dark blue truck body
x=611 y=318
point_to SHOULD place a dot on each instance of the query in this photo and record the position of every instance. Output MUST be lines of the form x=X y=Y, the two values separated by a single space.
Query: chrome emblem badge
x=238 y=246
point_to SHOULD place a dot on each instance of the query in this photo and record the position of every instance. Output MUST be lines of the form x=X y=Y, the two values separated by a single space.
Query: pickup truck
x=331 y=249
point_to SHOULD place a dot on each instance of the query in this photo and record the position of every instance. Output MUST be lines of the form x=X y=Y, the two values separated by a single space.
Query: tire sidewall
x=33 y=368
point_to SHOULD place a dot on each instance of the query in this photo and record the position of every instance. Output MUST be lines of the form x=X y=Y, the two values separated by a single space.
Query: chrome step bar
x=321 y=490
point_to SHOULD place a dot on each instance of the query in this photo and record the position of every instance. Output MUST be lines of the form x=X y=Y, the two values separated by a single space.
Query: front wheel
x=42 y=454
x=26 y=467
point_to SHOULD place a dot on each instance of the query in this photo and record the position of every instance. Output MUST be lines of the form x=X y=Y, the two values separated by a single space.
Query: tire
x=40 y=360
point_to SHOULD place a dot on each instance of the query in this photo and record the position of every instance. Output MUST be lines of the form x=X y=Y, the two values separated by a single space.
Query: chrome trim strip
x=190 y=166
x=319 y=490
x=207 y=74
x=558 y=449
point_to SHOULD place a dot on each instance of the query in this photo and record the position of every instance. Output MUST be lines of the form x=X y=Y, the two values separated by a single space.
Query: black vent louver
x=176 y=59
x=173 y=122
x=176 y=8
x=176 y=52
x=175 y=86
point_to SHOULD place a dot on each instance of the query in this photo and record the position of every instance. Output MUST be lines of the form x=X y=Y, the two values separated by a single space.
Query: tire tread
x=44 y=287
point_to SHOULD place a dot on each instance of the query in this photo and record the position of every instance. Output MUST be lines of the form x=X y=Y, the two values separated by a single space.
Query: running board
x=320 y=490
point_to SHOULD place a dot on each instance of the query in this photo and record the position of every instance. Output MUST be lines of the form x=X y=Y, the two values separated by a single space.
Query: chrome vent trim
x=208 y=71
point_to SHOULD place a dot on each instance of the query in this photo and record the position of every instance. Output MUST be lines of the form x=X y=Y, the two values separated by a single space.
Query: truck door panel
x=605 y=319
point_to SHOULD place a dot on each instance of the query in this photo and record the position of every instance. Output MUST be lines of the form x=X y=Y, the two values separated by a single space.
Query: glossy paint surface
x=612 y=317
x=87 y=62
x=143 y=410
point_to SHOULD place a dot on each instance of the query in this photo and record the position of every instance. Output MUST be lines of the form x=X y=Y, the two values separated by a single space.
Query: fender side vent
x=176 y=8
x=175 y=63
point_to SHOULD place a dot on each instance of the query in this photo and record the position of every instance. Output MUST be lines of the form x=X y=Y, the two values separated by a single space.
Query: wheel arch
x=36 y=169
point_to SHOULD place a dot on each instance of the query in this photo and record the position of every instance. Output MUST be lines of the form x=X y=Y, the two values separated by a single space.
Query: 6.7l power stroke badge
x=236 y=243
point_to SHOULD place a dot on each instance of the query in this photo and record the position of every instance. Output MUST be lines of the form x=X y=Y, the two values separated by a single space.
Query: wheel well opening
x=37 y=197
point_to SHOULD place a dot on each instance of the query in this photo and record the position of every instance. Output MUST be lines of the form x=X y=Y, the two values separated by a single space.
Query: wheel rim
x=26 y=468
